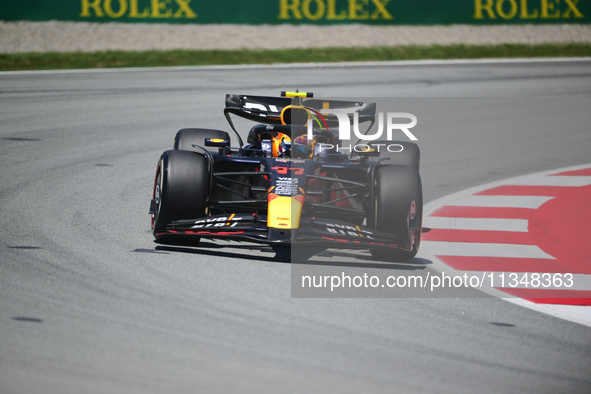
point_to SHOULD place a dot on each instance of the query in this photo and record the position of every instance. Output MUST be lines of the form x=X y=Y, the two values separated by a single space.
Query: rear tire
x=186 y=138
x=180 y=190
x=398 y=209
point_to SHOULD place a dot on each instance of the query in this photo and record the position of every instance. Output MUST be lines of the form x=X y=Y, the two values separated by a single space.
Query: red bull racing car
x=294 y=182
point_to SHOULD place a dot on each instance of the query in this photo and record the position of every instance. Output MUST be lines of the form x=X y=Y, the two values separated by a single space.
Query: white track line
x=474 y=249
x=502 y=201
x=519 y=225
x=557 y=180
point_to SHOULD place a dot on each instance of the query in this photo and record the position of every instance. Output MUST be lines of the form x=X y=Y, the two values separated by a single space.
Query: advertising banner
x=320 y=12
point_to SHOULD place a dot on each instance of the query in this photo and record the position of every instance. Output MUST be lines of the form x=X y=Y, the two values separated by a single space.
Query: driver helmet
x=280 y=144
x=303 y=148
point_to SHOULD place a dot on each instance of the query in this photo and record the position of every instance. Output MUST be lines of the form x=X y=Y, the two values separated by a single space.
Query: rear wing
x=269 y=110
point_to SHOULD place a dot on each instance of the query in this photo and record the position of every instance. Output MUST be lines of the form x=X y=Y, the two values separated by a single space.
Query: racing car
x=292 y=183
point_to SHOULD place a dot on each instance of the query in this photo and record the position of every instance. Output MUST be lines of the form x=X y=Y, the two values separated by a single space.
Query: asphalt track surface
x=89 y=304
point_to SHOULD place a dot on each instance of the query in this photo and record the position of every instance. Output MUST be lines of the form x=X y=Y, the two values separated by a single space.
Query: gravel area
x=90 y=37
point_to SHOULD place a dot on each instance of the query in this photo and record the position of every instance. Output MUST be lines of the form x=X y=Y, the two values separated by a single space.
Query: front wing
x=311 y=231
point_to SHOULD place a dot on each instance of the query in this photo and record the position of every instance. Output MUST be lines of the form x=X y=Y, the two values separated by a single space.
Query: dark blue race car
x=293 y=182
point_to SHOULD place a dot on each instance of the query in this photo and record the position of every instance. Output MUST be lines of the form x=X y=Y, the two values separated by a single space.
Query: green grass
x=113 y=59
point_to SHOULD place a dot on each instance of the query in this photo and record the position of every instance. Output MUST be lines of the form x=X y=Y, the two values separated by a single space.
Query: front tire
x=180 y=190
x=410 y=155
x=398 y=209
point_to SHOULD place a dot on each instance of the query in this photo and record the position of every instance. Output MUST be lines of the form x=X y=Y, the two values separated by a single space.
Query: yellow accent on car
x=284 y=211
x=291 y=108
x=297 y=94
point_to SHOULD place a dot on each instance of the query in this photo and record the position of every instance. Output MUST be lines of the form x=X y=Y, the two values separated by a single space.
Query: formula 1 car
x=293 y=182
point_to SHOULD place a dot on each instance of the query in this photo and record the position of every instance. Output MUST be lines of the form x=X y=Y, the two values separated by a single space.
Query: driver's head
x=302 y=147
x=281 y=143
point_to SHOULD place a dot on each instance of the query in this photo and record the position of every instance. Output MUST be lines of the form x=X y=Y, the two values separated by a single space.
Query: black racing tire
x=186 y=138
x=180 y=190
x=409 y=155
x=398 y=209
